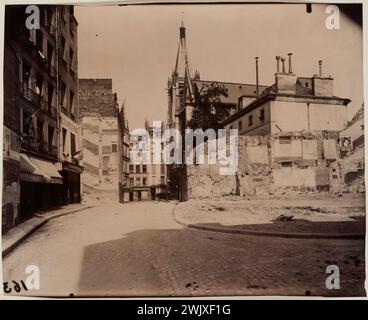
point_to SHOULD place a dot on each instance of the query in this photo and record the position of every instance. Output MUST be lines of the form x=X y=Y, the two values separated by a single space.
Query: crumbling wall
x=270 y=164
x=253 y=175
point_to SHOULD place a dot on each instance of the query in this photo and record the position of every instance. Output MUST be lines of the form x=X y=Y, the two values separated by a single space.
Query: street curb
x=267 y=233
x=10 y=248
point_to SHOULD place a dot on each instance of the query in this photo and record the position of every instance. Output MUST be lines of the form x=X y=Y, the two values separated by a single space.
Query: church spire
x=182 y=64
x=182 y=30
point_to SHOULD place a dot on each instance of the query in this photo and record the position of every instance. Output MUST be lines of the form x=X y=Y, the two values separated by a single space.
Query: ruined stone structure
x=306 y=161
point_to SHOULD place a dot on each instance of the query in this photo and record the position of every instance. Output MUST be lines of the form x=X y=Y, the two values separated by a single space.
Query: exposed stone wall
x=96 y=96
x=299 y=161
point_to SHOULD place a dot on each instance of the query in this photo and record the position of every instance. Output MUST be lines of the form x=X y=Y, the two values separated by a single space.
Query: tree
x=208 y=111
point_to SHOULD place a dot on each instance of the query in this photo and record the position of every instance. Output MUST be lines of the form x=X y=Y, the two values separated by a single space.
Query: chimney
x=285 y=81
x=283 y=65
x=278 y=64
x=320 y=68
x=257 y=83
x=290 y=67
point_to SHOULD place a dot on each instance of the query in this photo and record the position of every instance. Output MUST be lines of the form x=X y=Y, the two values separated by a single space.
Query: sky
x=136 y=46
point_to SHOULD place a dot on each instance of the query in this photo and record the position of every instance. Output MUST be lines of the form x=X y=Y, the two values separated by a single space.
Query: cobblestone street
x=138 y=249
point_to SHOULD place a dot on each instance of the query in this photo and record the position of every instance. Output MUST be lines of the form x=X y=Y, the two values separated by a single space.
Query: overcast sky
x=136 y=46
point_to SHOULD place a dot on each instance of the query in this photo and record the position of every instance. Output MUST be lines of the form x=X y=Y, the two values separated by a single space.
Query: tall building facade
x=148 y=181
x=33 y=167
x=70 y=151
x=99 y=114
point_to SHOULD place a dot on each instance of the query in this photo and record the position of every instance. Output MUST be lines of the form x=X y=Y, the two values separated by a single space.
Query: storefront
x=71 y=182
x=40 y=185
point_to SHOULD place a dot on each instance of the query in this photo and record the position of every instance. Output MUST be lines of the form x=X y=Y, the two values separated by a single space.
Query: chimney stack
x=278 y=64
x=320 y=68
x=283 y=65
x=257 y=83
x=290 y=67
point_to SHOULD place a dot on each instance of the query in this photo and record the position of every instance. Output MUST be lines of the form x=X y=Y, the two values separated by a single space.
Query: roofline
x=273 y=96
x=246 y=84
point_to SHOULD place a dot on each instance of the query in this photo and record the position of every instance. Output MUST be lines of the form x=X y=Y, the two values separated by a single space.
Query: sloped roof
x=234 y=90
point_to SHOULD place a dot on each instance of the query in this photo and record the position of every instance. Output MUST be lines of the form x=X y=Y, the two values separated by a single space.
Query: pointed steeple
x=182 y=30
x=182 y=63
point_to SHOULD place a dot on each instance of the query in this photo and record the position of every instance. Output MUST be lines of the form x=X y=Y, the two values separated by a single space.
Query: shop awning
x=38 y=170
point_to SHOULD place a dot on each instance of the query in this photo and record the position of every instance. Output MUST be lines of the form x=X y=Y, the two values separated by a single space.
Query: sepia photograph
x=183 y=150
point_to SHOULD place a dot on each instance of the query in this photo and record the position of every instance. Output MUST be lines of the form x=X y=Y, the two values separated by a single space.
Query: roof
x=234 y=90
x=358 y=116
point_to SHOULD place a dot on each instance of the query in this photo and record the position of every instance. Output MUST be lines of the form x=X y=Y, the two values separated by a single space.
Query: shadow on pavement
x=186 y=262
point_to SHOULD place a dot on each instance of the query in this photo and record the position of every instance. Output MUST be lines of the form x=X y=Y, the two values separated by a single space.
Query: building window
x=162 y=180
x=26 y=75
x=240 y=126
x=40 y=131
x=64 y=139
x=144 y=168
x=144 y=182
x=153 y=167
x=63 y=95
x=137 y=168
x=72 y=104
x=73 y=148
x=162 y=168
x=50 y=96
x=27 y=118
x=50 y=137
x=262 y=115
x=39 y=84
x=105 y=164
x=250 y=120
x=131 y=168
x=131 y=182
x=284 y=140
x=286 y=164
x=114 y=147
x=138 y=181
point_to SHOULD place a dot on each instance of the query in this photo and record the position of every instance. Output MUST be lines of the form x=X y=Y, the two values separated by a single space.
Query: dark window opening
x=50 y=95
x=73 y=148
x=262 y=115
x=285 y=140
x=64 y=139
x=250 y=120
x=287 y=164
x=39 y=131
x=51 y=131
